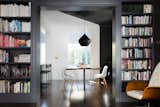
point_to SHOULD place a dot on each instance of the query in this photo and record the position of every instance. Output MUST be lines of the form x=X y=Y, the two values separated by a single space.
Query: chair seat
x=137 y=94
x=96 y=76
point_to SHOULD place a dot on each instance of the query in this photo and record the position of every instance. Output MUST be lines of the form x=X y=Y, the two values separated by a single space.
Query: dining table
x=83 y=68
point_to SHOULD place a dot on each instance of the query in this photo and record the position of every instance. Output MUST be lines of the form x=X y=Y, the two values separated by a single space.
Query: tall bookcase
x=15 y=47
x=137 y=42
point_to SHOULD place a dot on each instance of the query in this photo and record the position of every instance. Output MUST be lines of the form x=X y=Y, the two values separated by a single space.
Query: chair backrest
x=104 y=71
x=155 y=78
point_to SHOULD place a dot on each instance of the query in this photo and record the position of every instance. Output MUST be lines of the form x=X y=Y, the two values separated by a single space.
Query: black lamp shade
x=84 y=40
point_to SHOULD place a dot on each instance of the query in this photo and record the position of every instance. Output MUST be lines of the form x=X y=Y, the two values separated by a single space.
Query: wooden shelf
x=16 y=48
x=16 y=18
x=137 y=36
x=136 y=58
x=15 y=78
x=136 y=70
x=135 y=14
x=136 y=47
x=137 y=25
x=16 y=33
x=15 y=1
x=1 y=63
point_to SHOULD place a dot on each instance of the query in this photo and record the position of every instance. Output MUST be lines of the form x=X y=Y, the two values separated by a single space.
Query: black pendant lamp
x=84 y=40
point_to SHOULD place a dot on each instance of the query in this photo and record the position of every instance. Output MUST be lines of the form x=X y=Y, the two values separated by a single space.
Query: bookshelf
x=137 y=42
x=15 y=47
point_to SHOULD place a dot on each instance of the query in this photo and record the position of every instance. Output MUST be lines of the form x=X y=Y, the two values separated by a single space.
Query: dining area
x=77 y=74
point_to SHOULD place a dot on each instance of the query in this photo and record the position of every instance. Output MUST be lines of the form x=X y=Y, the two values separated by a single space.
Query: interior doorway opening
x=60 y=32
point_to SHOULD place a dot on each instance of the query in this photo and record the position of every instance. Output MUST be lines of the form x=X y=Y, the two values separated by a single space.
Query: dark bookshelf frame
x=136 y=36
x=33 y=96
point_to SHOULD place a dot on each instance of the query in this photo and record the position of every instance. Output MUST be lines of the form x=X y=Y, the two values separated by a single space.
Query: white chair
x=68 y=77
x=102 y=76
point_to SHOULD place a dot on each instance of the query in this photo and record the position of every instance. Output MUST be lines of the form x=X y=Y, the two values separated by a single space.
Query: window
x=78 y=54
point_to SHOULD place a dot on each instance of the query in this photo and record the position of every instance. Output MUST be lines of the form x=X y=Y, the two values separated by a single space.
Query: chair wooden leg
x=72 y=81
x=97 y=82
x=64 y=85
x=105 y=83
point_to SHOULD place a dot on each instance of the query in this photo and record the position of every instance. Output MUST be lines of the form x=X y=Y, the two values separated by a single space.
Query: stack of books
x=14 y=87
x=146 y=19
x=136 y=64
x=137 y=42
x=4 y=71
x=14 y=26
x=10 y=41
x=137 y=8
x=132 y=31
x=135 y=75
x=23 y=71
x=15 y=10
x=4 y=56
x=22 y=58
x=136 y=53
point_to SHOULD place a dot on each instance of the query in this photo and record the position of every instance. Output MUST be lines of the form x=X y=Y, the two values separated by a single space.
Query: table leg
x=84 y=79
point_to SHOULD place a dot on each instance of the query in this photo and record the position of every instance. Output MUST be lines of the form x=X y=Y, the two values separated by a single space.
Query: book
x=136 y=75
x=9 y=41
x=147 y=8
x=15 y=10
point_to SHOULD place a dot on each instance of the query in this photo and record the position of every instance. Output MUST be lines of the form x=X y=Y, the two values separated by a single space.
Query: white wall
x=59 y=28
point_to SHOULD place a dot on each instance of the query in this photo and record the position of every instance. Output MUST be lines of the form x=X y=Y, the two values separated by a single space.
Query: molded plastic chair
x=102 y=75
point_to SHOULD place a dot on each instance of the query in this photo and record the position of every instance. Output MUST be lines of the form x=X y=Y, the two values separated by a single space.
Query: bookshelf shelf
x=137 y=36
x=15 y=78
x=137 y=25
x=1 y=63
x=136 y=47
x=16 y=33
x=16 y=18
x=136 y=58
x=15 y=47
x=15 y=1
x=136 y=70
x=135 y=14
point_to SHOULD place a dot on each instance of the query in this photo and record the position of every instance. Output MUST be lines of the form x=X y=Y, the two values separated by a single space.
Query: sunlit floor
x=68 y=95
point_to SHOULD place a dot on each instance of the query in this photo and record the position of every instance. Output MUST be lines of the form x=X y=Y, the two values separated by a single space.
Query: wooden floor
x=58 y=95
x=69 y=95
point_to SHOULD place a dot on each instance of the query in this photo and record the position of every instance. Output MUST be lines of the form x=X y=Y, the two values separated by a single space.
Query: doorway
x=60 y=50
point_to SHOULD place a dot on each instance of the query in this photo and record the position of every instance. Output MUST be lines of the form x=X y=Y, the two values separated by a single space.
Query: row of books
x=136 y=64
x=14 y=71
x=4 y=71
x=135 y=75
x=14 y=87
x=14 y=26
x=136 y=31
x=137 y=8
x=136 y=53
x=9 y=41
x=146 y=19
x=15 y=10
x=22 y=58
x=4 y=56
x=22 y=71
x=137 y=42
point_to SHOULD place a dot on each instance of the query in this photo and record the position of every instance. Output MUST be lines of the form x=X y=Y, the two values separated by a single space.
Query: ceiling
x=99 y=15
